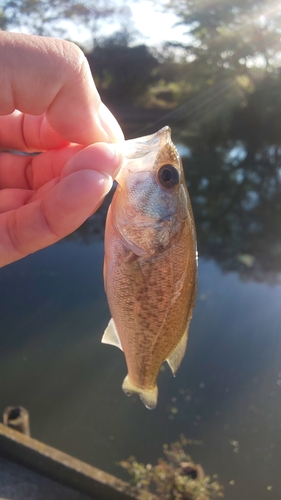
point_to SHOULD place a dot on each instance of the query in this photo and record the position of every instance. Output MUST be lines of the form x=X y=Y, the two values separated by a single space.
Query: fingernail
x=110 y=124
x=107 y=181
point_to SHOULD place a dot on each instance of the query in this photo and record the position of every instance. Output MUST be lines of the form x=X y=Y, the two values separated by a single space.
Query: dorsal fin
x=111 y=336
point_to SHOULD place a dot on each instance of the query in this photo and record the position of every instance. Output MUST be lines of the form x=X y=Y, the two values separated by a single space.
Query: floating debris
x=246 y=259
x=174 y=410
x=235 y=445
x=176 y=477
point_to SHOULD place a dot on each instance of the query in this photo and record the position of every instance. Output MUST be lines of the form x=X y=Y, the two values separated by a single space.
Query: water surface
x=227 y=394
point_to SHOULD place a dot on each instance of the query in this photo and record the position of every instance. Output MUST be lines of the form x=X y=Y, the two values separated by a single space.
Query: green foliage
x=228 y=33
x=122 y=73
x=176 y=478
x=48 y=17
x=258 y=122
x=231 y=49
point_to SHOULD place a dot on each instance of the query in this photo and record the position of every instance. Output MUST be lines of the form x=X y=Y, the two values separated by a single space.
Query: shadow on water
x=227 y=394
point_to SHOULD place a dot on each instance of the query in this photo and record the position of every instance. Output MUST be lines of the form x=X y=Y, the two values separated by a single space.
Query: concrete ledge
x=65 y=469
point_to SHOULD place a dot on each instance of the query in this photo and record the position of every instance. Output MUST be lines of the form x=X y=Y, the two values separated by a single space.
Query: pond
x=226 y=396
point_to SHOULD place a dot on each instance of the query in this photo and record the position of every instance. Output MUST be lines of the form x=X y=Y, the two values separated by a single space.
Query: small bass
x=150 y=268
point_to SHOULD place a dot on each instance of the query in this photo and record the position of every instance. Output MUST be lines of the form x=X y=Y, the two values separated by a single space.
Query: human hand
x=49 y=104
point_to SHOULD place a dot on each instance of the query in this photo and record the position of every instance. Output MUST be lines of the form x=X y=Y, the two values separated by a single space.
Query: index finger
x=46 y=75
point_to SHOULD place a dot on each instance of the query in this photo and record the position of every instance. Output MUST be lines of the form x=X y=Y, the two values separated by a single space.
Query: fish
x=150 y=262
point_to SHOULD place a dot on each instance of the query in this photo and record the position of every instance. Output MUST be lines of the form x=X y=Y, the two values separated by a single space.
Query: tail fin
x=147 y=396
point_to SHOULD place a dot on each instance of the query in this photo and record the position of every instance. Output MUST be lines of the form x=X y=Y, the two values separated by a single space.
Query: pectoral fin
x=111 y=336
x=175 y=358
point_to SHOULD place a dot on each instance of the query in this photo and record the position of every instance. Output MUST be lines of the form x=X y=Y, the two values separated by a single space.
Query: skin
x=49 y=104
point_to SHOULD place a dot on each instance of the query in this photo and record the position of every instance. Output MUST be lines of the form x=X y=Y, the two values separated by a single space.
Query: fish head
x=151 y=201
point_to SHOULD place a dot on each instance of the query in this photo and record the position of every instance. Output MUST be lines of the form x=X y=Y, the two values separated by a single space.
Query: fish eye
x=168 y=176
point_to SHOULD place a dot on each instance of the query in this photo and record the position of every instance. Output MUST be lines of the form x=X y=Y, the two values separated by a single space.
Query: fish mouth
x=142 y=152
x=136 y=148
x=141 y=146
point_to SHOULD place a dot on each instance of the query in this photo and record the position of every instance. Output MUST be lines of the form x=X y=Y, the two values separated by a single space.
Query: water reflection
x=236 y=199
x=237 y=208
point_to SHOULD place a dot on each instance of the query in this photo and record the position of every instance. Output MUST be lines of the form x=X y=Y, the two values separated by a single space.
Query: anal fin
x=175 y=358
x=111 y=336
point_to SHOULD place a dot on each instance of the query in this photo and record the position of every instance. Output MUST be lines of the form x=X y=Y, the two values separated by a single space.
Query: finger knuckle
x=73 y=57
